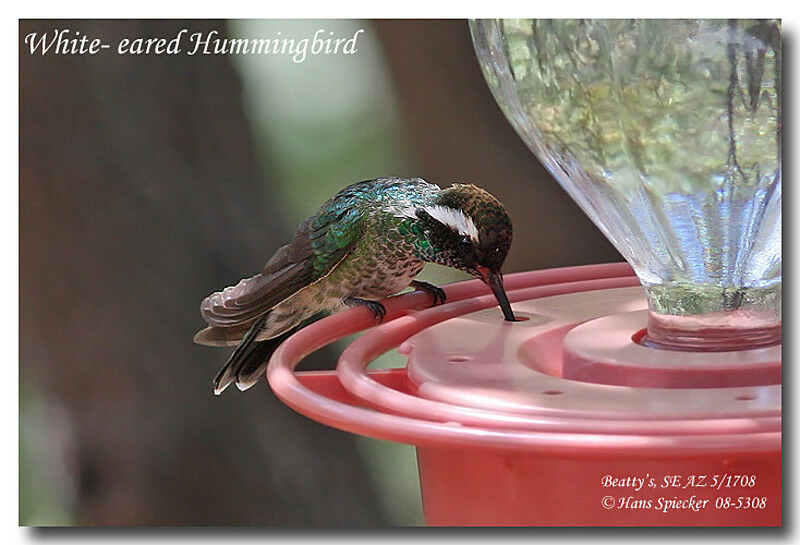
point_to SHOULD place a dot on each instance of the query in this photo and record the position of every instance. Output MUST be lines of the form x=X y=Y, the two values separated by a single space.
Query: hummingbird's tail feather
x=240 y=356
x=254 y=363
x=249 y=361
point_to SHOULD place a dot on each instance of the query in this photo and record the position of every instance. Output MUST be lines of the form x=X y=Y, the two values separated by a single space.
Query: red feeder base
x=561 y=419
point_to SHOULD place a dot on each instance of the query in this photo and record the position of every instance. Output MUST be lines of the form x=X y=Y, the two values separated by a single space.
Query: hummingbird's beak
x=495 y=281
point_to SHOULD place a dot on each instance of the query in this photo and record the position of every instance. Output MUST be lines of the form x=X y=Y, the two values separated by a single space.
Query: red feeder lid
x=569 y=376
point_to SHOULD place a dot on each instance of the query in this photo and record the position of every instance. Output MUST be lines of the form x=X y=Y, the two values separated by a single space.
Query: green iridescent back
x=344 y=219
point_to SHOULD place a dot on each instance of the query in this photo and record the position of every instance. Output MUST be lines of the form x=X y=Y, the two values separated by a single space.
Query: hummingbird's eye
x=465 y=247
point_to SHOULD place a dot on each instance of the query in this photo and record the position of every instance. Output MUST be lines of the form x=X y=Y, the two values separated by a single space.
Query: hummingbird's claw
x=438 y=294
x=378 y=310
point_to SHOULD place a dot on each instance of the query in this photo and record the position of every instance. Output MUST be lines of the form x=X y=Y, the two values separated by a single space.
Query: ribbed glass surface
x=668 y=135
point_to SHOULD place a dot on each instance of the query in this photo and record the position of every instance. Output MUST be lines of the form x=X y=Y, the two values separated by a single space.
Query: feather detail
x=241 y=356
x=455 y=219
x=243 y=313
x=249 y=361
x=319 y=244
x=222 y=336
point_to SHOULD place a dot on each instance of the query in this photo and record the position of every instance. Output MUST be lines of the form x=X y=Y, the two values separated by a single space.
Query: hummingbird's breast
x=382 y=263
x=374 y=270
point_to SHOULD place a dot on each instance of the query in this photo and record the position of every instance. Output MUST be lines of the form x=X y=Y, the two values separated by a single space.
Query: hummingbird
x=366 y=243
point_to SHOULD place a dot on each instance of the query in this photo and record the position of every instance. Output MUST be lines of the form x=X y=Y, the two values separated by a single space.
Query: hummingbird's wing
x=319 y=244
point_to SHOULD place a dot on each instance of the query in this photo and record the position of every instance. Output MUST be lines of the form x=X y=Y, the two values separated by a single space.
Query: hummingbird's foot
x=377 y=308
x=436 y=292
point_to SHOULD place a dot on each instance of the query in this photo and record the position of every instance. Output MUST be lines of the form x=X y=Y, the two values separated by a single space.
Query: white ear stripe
x=455 y=219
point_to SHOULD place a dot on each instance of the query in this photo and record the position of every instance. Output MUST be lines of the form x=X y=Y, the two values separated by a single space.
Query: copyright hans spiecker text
x=670 y=493
x=73 y=42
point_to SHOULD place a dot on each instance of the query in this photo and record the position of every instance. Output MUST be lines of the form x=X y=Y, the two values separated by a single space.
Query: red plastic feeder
x=563 y=418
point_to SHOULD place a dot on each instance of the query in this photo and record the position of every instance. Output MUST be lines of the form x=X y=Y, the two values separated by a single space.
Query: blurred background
x=148 y=182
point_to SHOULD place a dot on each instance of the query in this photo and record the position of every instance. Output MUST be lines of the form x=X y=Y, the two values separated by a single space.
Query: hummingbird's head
x=468 y=229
